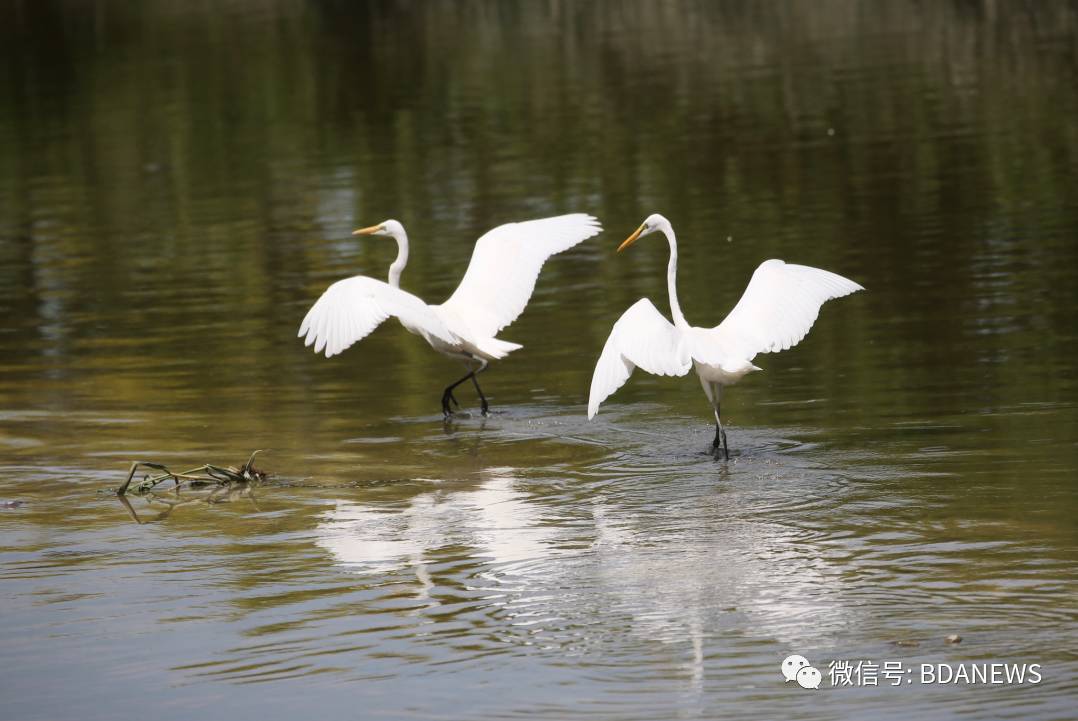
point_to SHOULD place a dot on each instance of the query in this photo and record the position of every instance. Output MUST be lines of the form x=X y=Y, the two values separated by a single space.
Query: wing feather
x=776 y=311
x=505 y=265
x=352 y=308
x=641 y=337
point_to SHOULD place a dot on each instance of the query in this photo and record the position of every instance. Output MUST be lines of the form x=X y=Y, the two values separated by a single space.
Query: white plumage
x=775 y=312
x=493 y=293
x=642 y=338
x=778 y=308
x=505 y=265
x=352 y=308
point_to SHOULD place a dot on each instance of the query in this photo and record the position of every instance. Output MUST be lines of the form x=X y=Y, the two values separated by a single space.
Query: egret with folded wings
x=776 y=311
x=496 y=287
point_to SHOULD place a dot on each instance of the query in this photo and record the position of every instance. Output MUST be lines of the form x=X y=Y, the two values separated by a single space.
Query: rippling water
x=178 y=185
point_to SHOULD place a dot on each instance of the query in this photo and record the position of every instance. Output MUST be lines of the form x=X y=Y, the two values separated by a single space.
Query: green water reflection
x=178 y=183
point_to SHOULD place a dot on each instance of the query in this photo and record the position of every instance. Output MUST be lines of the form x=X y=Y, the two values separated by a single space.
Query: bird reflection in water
x=494 y=519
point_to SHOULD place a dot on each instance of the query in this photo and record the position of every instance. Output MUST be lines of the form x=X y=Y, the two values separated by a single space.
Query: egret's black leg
x=720 y=442
x=482 y=398
x=720 y=432
x=720 y=436
x=475 y=381
x=448 y=396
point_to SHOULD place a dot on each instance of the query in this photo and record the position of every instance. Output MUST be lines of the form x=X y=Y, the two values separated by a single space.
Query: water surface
x=178 y=184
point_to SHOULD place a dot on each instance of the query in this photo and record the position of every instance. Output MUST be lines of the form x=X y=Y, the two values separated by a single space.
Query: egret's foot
x=485 y=407
x=718 y=449
x=720 y=443
x=447 y=411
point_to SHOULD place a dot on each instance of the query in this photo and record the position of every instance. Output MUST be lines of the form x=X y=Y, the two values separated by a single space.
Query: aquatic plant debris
x=204 y=475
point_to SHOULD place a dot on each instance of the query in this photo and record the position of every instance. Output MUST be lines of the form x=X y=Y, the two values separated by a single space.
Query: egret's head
x=389 y=228
x=651 y=224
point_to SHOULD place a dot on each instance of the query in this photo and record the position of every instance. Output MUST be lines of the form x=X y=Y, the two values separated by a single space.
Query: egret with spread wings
x=776 y=311
x=496 y=287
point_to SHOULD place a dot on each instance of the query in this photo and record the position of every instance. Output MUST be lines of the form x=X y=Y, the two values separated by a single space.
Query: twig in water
x=207 y=474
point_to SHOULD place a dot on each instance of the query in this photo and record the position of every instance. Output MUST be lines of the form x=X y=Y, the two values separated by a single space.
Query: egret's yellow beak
x=631 y=239
x=367 y=231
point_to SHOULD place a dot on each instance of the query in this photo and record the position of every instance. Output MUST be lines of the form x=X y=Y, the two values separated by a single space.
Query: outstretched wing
x=641 y=337
x=505 y=264
x=352 y=308
x=776 y=311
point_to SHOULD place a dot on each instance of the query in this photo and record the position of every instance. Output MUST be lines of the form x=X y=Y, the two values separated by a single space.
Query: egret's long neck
x=397 y=268
x=671 y=280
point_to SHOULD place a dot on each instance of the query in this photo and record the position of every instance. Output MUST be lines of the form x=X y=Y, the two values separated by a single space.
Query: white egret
x=775 y=312
x=496 y=287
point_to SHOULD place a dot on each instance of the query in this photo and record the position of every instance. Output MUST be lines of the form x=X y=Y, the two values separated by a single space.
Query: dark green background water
x=177 y=185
